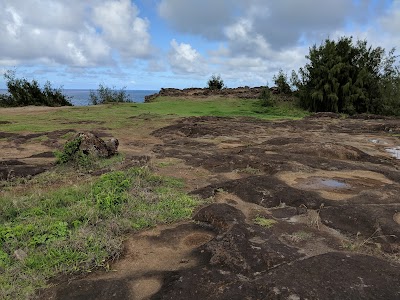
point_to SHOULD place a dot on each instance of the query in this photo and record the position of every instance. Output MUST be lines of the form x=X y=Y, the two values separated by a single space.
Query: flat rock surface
x=326 y=188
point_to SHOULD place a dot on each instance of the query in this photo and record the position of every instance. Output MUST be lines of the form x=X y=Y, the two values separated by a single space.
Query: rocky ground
x=306 y=209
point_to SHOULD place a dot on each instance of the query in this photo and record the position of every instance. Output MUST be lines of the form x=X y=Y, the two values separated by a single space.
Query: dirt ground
x=329 y=189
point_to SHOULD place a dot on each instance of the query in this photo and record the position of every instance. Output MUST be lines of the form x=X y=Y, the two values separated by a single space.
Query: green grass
x=264 y=222
x=76 y=228
x=131 y=114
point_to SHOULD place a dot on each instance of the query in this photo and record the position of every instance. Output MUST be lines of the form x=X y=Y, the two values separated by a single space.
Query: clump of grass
x=264 y=222
x=79 y=227
x=298 y=236
x=249 y=170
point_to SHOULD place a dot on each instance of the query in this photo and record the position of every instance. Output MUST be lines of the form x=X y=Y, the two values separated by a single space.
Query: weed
x=264 y=222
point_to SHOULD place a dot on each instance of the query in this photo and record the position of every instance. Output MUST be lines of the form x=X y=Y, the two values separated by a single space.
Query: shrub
x=105 y=95
x=215 y=83
x=21 y=92
x=72 y=154
x=71 y=148
x=266 y=97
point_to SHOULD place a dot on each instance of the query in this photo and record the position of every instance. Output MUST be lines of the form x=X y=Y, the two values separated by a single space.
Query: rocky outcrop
x=239 y=92
x=91 y=144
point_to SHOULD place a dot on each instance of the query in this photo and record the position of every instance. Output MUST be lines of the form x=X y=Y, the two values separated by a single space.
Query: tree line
x=21 y=92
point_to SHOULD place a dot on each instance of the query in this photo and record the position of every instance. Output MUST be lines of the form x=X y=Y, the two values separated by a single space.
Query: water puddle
x=332 y=183
x=317 y=183
x=377 y=141
x=394 y=151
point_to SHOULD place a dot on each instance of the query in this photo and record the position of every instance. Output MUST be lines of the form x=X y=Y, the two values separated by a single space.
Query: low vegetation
x=264 y=222
x=80 y=226
x=106 y=95
x=21 y=92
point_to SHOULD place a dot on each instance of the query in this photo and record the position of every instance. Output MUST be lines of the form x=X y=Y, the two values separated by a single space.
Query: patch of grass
x=249 y=170
x=42 y=138
x=163 y=108
x=298 y=236
x=168 y=162
x=264 y=222
x=79 y=227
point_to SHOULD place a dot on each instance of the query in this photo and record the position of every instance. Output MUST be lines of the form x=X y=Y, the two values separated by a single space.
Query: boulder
x=91 y=144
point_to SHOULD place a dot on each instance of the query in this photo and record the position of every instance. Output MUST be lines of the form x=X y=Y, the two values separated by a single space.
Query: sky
x=150 y=44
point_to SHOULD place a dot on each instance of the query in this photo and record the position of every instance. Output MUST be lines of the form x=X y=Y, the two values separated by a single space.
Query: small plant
x=105 y=95
x=215 y=83
x=264 y=222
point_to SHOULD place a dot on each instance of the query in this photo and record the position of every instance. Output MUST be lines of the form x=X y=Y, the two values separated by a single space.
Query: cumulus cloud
x=74 y=33
x=122 y=28
x=184 y=59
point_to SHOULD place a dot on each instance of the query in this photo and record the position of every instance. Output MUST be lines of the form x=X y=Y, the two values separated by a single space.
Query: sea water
x=80 y=97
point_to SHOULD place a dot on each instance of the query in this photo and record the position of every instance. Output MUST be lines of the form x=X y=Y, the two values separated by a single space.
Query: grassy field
x=120 y=115
x=67 y=221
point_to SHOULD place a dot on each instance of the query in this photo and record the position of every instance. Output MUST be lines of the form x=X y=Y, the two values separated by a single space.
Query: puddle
x=316 y=183
x=334 y=183
x=394 y=151
x=337 y=185
x=377 y=141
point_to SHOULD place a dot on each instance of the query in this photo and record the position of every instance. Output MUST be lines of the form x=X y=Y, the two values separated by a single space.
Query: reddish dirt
x=328 y=184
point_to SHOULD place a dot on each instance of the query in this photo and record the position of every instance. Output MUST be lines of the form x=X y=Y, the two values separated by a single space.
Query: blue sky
x=150 y=44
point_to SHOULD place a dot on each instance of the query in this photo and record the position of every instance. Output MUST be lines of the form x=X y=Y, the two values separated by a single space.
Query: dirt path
x=328 y=190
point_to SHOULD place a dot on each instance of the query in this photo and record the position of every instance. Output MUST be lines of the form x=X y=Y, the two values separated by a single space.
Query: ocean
x=80 y=97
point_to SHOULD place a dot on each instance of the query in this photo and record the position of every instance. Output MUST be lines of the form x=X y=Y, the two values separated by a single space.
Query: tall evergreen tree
x=343 y=76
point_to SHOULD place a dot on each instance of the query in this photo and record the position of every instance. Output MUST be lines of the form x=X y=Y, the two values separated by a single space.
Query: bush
x=215 y=83
x=72 y=154
x=105 y=95
x=266 y=98
x=22 y=93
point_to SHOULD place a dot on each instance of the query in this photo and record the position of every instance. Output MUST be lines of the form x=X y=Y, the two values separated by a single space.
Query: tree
x=281 y=81
x=215 y=83
x=343 y=76
x=21 y=92
x=266 y=97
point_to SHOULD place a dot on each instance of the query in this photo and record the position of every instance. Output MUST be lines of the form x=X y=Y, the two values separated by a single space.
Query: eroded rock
x=91 y=144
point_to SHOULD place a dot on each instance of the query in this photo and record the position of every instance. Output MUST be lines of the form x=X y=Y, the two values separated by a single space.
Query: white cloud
x=122 y=28
x=74 y=33
x=184 y=59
